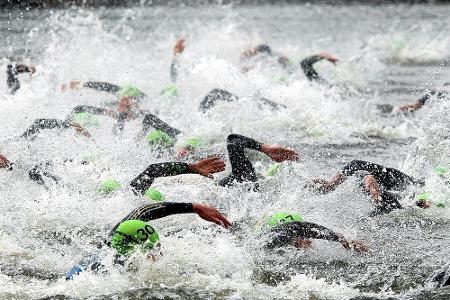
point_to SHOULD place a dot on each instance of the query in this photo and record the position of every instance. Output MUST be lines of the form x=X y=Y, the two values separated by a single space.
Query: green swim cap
x=193 y=142
x=85 y=119
x=131 y=233
x=273 y=170
x=440 y=170
x=423 y=196
x=441 y=204
x=158 y=137
x=108 y=186
x=281 y=218
x=129 y=91
x=154 y=194
x=169 y=91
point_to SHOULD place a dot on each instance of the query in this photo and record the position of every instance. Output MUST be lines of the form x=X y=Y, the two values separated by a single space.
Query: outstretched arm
x=160 y=210
x=175 y=66
x=12 y=80
x=96 y=85
x=307 y=65
x=204 y=167
x=291 y=233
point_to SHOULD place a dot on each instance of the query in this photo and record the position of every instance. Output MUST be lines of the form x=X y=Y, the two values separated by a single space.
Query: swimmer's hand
x=320 y=185
x=73 y=85
x=179 y=47
x=302 y=243
x=80 y=130
x=207 y=166
x=210 y=214
x=359 y=246
x=4 y=162
x=328 y=57
x=279 y=154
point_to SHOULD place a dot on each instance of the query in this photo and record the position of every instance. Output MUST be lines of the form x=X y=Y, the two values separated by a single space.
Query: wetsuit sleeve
x=40 y=124
x=241 y=167
x=144 y=180
x=102 y=86
x=286 y=234
x=214 y=96
x=156 y=211
x=307 y=66
x=423 y=100
x=174 y=68
x=152 y=121
x=87 y=109
x=389 y=178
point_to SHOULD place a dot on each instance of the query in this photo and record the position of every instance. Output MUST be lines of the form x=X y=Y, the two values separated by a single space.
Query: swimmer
x=379 y=182
x=12 y=80
x=308 y=69
x=205 y=167
x=241 y=168
x=134 y=233
x=285 y=229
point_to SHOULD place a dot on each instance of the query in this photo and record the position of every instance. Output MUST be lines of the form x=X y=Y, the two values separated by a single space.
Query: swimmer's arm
x=21 y=68
x=102 y=86
x=144 y=180
x=307 y=64
x=175 y=65
x=204 y=167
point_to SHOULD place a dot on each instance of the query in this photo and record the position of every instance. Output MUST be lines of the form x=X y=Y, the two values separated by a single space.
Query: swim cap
x=108 y=186
x=441 y=204
x=281 y=218
x=440 y=170
x=154 y=194
x=85 y=119
x=193 y=142
x=131 y=233
x=423 y=196
x=159 y=137
x=273 y=170
x=129 y=91
x=169 y=91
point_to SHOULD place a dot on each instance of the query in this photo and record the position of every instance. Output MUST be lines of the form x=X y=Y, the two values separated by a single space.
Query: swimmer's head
x=154 y=195
x=423 y=200
x=108 y=186
x=283 y=218
x=131 y=235
x=169 y=91
x=129 y=91
x=441 y=170
x=159 y=138
x=193 y=143
x=86 y=119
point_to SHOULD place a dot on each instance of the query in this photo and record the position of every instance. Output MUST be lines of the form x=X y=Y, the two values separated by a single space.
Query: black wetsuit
x=308 y=69
x=107 y=87
x=11 y=80
x=285 y=234
x=219 y=95
x=40 y=124
x=388 y=178
x=156 y=211
x=387 y=108
x=174 y=68
x=241 y=167
x=144 y=180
